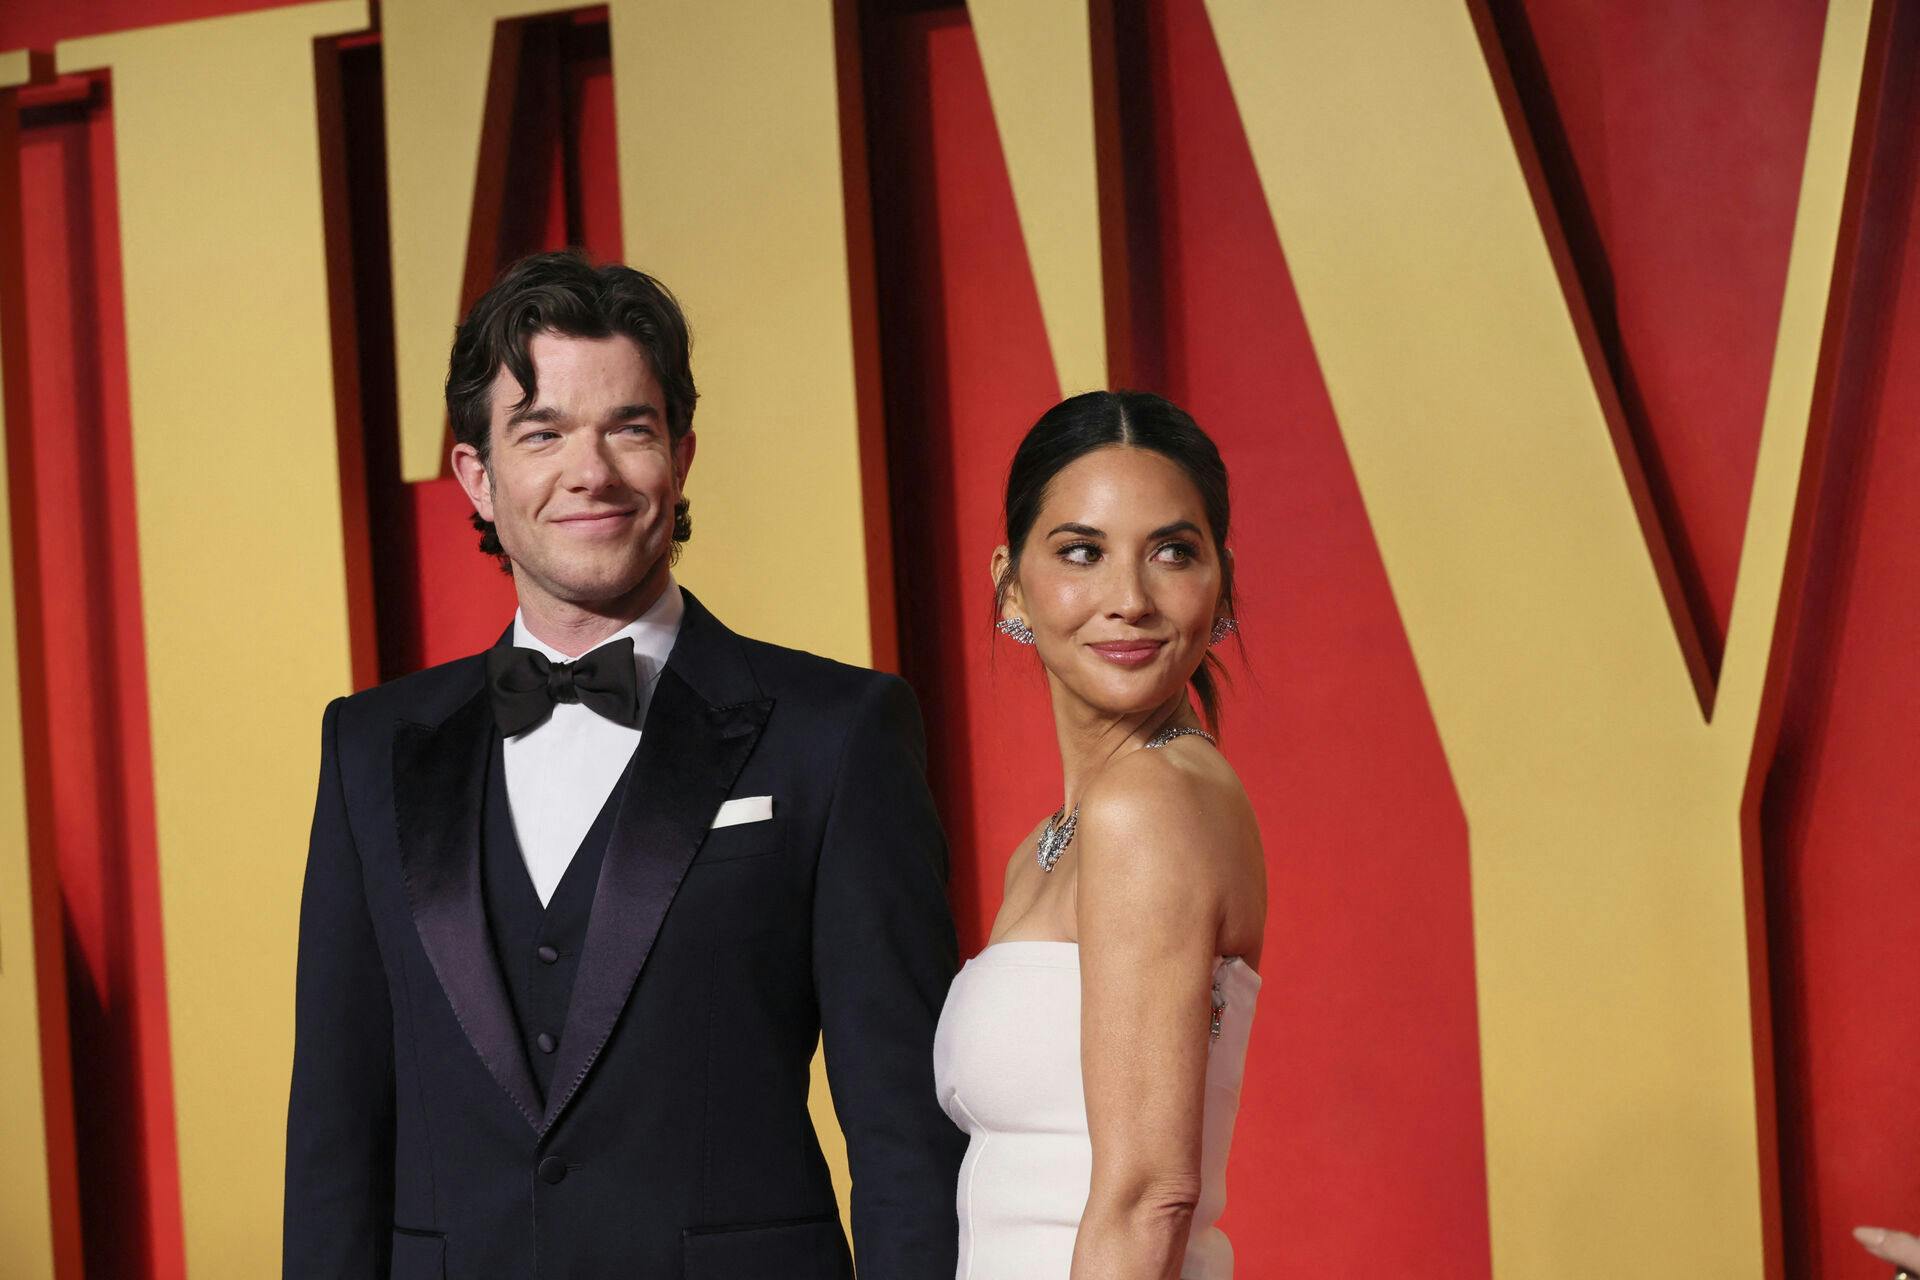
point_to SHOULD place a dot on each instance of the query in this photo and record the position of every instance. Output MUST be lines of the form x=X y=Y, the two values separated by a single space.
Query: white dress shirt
x=561 y=771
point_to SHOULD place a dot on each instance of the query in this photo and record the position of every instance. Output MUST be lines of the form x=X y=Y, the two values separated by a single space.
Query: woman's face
x=1119 y=580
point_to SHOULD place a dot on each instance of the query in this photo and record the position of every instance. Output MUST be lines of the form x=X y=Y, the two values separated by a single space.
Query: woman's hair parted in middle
x=1139 y=419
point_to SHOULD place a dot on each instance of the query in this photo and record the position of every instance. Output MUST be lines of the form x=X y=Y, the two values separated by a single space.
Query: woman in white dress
x=1093 y=1051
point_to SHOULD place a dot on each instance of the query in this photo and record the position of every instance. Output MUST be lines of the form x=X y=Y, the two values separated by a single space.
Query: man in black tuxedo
x=577 y=908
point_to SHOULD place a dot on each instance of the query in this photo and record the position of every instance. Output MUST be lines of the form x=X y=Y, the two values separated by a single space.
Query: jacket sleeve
x=884 y=955
x=339 y=1187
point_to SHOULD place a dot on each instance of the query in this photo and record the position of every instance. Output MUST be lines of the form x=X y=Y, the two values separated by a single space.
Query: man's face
x=581 y=483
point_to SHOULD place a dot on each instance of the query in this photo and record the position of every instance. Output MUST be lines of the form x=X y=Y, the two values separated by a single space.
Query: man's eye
x=539 y=437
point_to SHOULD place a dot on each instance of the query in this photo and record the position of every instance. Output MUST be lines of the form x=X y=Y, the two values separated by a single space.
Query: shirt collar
x=653 y=633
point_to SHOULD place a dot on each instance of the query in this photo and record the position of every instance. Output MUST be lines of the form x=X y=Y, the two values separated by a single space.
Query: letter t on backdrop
x=242 y=558
x=39 y=1196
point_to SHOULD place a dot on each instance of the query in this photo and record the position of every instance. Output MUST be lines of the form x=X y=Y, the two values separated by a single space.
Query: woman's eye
x=1080 y=553
x=1176 y=552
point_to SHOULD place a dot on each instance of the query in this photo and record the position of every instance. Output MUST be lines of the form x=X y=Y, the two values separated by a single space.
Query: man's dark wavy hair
x=564 y=293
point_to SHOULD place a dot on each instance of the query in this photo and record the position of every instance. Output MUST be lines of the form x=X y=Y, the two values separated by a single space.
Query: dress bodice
x=1007 y=1070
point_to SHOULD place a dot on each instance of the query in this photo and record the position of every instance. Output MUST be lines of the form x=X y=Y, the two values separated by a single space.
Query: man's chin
x=604 y=591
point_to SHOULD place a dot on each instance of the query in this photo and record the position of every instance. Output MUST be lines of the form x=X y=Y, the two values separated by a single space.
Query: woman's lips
x=1128 y=653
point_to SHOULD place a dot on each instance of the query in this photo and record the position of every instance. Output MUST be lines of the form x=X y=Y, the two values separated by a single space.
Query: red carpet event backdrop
x=1566 y=357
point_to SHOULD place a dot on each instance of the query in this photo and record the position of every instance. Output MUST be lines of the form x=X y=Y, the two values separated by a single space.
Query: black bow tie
x=525 y=685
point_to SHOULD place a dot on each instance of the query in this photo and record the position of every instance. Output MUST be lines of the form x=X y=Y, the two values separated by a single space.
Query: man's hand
x=1897 y=1247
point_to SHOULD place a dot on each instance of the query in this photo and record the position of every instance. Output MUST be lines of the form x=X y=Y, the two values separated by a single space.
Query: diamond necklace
x=1057 y=834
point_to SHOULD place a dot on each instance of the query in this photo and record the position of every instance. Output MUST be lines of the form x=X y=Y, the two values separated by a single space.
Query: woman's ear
x=1003 y=572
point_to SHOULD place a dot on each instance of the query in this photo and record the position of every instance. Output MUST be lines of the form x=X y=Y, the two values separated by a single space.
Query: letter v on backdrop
x=1622 y=1003
x=1604 y=774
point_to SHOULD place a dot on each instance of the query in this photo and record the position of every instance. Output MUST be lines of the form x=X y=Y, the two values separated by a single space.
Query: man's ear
x=475 y=480
x=683 y=450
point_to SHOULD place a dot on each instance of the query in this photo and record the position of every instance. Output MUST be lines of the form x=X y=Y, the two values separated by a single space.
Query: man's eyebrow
x=1084 y=530
x=628 y=412
x=1178 y=526
x=546 y=413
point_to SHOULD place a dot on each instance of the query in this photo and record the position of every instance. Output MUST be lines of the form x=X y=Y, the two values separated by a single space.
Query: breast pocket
x=740 y=841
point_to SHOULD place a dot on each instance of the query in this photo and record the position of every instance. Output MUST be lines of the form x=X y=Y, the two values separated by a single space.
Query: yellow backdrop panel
x=1038 y=58
x=1604 y=812
x=435 y=57
x=242 y=576
x=731 y=191
x=25 y=1218
x=730 y=188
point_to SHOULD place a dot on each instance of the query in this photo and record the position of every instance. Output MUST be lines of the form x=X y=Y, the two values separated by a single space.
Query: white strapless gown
x=1007 y=1069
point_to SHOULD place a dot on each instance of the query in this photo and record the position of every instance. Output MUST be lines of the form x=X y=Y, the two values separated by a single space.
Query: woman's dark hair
x=1076 y=427
x=563 y=293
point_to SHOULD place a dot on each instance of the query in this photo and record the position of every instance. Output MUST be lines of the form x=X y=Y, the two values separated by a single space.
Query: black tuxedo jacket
x=675 y=1140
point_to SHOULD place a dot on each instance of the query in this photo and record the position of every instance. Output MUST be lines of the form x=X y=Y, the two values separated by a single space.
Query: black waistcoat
x=538 y=947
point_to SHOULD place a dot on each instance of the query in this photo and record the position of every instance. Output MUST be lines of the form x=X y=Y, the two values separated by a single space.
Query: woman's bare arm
x=1154 y=845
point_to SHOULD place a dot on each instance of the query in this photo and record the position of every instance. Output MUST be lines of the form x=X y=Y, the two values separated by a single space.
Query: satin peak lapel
x=438 y=773
x=690 y=753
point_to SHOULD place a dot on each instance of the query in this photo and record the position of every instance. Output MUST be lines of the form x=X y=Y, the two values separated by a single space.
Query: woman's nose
x=1127 y=595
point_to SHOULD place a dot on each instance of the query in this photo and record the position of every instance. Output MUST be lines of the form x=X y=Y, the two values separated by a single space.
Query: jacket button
x=546 y=1042
x=553 y=1170
x=547 y=955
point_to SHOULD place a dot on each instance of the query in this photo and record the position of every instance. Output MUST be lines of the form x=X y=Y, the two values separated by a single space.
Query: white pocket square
x=745 y=809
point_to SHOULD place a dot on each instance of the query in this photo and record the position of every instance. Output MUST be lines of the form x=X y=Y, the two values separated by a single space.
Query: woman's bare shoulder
x=1181 y=805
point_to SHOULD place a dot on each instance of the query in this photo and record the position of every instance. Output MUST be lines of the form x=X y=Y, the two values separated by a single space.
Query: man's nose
x=587 y=467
